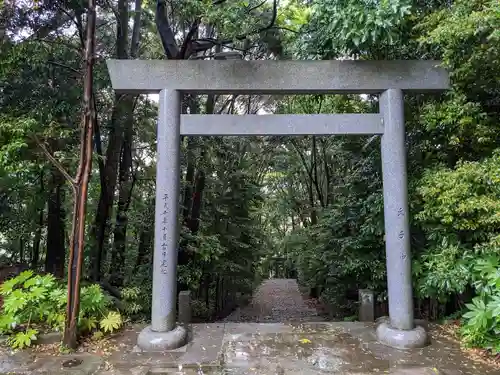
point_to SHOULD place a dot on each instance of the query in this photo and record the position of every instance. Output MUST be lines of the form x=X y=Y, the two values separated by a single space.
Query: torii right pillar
x=400 y=331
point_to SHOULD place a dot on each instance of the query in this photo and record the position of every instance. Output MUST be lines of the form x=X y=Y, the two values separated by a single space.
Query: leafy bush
x=460 y=216
x=460 y=212
x=481 y=326
x=36 y=303
x=133 y=300
x=466 y=198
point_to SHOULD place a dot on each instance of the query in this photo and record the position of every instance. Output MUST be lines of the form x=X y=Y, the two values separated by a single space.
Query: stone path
x=294 y=346
x=323 y=348
x=276 y=300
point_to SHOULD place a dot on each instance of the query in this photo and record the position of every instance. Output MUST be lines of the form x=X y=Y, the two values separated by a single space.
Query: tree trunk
x=194 y=220
x=80 y=188
x=187 y=201
x=21 y=250
x=145 y=241
x=188 y=187
x=326 y=166
x=98 y=150
x=106 y=198
x=314 y=160
x=146 y=234
x=125 y=196
x=35 y=252
x=123 y=108
x=56 y=251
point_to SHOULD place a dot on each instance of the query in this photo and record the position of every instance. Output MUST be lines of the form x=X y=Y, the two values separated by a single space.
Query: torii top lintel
x=276 y=77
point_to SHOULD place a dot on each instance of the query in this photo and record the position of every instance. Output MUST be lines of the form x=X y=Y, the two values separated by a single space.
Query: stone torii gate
x=389 y=79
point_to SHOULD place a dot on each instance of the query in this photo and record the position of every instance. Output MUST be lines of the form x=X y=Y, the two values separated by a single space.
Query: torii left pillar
x=163 y=333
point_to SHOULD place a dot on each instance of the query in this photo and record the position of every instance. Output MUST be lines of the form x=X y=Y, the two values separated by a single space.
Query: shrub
x=36 y=303
x=481 y=325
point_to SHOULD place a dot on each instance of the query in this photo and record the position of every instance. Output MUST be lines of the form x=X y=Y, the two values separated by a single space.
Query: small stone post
x=401 y=331
x=366 y=305
x=185 y=307
x=163 y=333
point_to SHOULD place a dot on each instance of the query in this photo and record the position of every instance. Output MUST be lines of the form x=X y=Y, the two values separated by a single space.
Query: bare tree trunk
x=56 y=249
x=146 y=234
x=124 y=199
x=145 y=241
x=35 y=252
x=199 y=183
x=326 y=166
x=188 y=188
x=80 y=188
x=127 y=179
x=194 y=220
x=106 y=198
x=121 y=113
x=121 y=116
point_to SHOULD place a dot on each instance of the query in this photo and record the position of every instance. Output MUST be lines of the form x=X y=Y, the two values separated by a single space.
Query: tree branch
x=56 y=22
x=257 y=6
x=212 y=42
x=226 y=104
x=189 y=37
x=136 y=31
x=65 y=67
x=54 y=161
x=165 y=30
x=285 y=28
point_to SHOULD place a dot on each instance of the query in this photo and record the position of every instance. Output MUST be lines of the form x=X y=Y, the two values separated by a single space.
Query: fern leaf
x=111 y=322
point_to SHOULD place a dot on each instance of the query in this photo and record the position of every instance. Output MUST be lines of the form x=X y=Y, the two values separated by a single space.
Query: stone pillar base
x=402 y=339
x=151 y=341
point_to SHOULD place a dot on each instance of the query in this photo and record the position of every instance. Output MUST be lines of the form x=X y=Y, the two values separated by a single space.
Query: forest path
x=274 y=301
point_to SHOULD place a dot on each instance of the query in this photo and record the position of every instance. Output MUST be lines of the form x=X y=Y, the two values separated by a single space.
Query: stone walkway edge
x=342 y=348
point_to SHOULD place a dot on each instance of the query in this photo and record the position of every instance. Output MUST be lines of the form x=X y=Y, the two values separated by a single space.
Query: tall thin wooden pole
x=80 y=187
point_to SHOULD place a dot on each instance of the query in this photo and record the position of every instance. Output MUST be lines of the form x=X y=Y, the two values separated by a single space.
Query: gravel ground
x=274 y=301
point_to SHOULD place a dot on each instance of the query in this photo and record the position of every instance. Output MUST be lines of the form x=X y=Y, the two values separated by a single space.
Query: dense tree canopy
x=315 y=202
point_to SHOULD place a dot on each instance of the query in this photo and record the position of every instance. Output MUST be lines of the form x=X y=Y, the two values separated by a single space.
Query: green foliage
x=23 y=339
x=482 y=320
x=466 y=36
x=441 y=271
x=200 y=309
x=346 y=27
x=455 y=128
x=331 y=190
x=339 y=254
x=35 y=303
x=460 y=217
x=111 y=322
x=464 y=199
x=453 y=173
x=458 y=196
x=132 y=297
x=95 y=309
x=30 y=300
